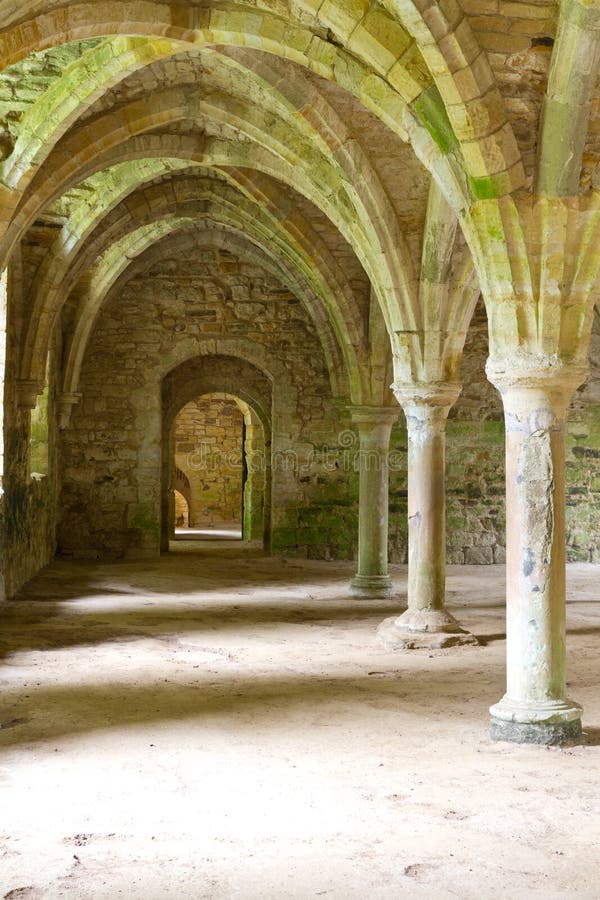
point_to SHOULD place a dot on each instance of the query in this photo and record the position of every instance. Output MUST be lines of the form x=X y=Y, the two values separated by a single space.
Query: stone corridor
x=218 y=724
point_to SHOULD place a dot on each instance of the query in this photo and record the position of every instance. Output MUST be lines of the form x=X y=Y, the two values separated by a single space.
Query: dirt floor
x=221 y=725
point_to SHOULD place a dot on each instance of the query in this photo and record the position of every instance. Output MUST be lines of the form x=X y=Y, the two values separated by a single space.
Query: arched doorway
x=182 y=510
x=216 y=452
x=209 y=458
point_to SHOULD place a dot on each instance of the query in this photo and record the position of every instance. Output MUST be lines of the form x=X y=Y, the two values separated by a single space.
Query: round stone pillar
x=426 y=622
x=374 y=428
x=535 y=708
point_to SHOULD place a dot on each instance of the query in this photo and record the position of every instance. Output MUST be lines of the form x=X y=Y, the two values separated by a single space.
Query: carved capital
x=65 y=404
x=426 y=404
x=374 y=425
x=28 y=390
x=530 y=381
x=427 y=393
x=373 y=415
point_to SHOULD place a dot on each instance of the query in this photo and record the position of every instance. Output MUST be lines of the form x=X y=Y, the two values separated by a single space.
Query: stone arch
x=207 y=235
x=321 y=133
x=181 y=483
x=154 y=224
x=404 y=51
x=378 y=241
x=252 y=389
x=97 y=71
x=370 y=58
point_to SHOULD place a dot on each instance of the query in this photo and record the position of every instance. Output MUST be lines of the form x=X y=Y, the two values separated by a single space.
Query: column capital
x=536 y=376
x=65 y=404
x=28 y=390
x=426 y=404
x=373 y=415
x=427 y=393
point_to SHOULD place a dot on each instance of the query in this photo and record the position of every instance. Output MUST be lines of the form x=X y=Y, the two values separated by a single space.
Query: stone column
x=535 y=708
x=426 y=622
x=374 y=428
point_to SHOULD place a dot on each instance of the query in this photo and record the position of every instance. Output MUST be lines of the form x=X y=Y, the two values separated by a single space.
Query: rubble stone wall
x=214 y=305
x=208 y=450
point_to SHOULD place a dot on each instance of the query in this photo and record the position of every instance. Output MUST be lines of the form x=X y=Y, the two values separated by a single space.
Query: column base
x=555 y=722
x=371 y=587
x=428 y=629
x=561 y=734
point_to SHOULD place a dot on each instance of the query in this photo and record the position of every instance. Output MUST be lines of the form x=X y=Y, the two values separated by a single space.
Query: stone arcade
x=325 y=274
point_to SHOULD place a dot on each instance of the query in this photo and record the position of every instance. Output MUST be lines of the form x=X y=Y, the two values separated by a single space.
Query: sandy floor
x=223 y=726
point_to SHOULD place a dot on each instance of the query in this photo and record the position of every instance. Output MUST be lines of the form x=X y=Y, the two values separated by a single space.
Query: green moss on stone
x=484 y=188
x=429 y=108
x=144 y=521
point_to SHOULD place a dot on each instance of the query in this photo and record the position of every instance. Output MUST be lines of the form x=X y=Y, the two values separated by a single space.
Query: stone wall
x=474 y=492
x=208 y=450
x=216 y=305
x=28 y=505
x=583 y=463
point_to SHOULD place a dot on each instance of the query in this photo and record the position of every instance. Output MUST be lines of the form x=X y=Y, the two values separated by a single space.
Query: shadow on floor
x=485 y=639
x=310 y=700
x=591 y=736
x=202 y=569
x=52 y=625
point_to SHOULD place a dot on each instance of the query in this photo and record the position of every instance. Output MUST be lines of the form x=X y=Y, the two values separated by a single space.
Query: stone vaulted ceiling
x=344 y=142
